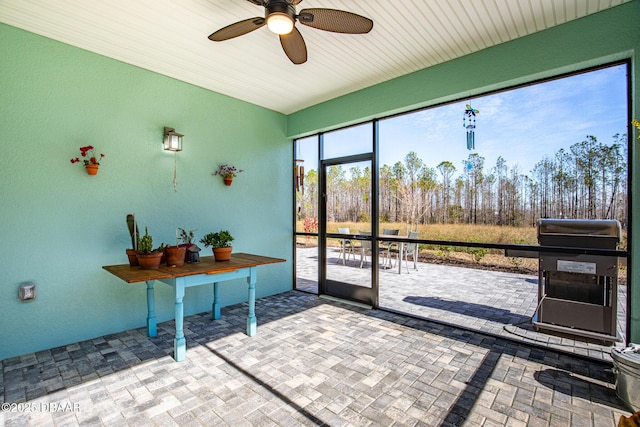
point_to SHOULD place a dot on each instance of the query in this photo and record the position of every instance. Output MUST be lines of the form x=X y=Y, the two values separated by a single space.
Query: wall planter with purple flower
x=227 y=172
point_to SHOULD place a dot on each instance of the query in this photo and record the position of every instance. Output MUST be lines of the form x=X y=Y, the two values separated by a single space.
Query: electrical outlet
x=27 y=291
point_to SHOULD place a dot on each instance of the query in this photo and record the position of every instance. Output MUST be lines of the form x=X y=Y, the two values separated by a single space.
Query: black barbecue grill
x=577 y=293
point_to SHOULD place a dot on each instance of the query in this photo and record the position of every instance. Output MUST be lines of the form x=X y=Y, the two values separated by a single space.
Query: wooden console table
x=195 y=274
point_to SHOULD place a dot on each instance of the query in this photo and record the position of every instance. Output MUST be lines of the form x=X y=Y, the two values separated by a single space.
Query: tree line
x=587 y=181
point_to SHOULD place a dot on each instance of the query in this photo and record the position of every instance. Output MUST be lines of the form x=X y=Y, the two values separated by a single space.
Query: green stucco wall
x=59 y=226
x=591 y=41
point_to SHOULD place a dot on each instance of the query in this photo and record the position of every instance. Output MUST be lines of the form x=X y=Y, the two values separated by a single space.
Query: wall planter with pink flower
x=90 y=160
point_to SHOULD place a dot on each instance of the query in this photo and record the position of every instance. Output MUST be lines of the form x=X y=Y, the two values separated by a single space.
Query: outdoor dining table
x=386 y=238
x=206 y=271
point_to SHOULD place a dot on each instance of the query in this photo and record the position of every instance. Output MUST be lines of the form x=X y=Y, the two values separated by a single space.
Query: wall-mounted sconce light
x=172 y=140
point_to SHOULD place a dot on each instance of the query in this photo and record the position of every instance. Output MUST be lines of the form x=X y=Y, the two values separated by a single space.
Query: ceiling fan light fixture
x=280 y=23
x=280 y=17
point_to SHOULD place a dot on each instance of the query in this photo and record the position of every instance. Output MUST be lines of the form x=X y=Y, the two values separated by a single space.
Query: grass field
x=453 y=232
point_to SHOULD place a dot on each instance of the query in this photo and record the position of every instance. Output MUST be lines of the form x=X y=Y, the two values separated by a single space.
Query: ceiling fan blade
x=294 y=46
x=237 y=29
x=337 y=21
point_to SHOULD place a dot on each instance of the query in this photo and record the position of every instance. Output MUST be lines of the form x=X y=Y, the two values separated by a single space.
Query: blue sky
x=521 y=125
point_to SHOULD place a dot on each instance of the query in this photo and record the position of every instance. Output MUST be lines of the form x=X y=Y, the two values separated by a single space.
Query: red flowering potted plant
x=227 y=172
x=90 y=160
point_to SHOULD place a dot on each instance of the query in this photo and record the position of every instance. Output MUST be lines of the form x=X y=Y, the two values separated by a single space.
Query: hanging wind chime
x=469 y=122
x=298 y=175
x=298 y=170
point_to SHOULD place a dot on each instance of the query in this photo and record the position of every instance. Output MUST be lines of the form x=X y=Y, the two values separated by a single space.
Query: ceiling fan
x=280 y=17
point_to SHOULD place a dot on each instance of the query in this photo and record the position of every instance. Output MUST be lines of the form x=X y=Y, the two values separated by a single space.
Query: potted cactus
x=149 y=258
x=132 y=225
x=221 y=244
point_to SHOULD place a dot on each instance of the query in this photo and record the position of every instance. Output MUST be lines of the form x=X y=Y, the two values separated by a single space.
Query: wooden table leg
x=151 y=313
x=179 y=342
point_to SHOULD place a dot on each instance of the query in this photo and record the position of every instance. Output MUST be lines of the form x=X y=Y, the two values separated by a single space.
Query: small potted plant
x=149 y=258
x=91 y=160
x=186 y=237
x=227 y=172
x=176 y=255
x=135 y=236
x=221 y=244
x=192 y=253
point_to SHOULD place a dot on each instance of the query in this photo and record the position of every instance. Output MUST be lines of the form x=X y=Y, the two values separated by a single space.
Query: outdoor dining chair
x=411 y=249
x=386 y=247
x=365 y=247
x=346 y=247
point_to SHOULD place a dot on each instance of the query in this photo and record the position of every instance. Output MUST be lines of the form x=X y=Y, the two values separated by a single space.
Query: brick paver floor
x=312 y=362
x=492 y=302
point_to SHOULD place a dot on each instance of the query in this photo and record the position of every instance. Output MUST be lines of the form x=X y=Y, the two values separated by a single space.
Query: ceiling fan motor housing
x=280 y=7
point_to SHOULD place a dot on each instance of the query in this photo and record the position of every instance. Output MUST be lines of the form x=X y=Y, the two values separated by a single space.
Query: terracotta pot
x=150 y=261
x=222 y=254
x=133 y=258
x=175 y=255
x=92 y=169
x=228 y=181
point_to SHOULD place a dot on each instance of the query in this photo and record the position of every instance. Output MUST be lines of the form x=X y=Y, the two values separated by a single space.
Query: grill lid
x=579 y=227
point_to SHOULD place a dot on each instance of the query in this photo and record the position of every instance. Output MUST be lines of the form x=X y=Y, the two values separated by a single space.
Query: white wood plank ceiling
x=170 y=38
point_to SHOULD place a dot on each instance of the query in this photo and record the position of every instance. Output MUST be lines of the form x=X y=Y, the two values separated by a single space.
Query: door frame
x=359 y=294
